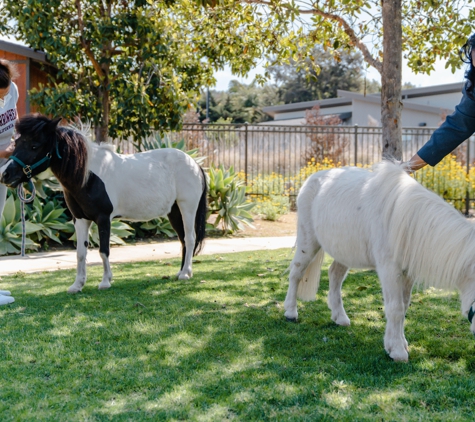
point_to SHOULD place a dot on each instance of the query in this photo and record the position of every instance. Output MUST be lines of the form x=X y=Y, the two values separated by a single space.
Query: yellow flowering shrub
x=312 y=166
x=271 y=207
x=447 y=179
x=271 y=202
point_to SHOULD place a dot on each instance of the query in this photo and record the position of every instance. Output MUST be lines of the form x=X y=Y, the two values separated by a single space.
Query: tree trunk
x=102 y=129
x=391 y=77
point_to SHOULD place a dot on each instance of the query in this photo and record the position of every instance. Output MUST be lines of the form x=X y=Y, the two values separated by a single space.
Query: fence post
x=245 y=153
x=356 y=144
x=467 y=195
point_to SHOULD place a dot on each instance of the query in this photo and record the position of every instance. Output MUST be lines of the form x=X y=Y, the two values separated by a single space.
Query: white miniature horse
x=99 y=185
x=381 y=219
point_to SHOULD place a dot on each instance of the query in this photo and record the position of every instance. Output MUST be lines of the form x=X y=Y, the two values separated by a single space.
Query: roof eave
x=23 y=51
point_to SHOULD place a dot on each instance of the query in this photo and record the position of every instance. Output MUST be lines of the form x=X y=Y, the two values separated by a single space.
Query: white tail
x=308 y=286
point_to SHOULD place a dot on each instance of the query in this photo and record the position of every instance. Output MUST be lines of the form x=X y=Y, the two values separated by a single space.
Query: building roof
x=306 y=105
x=22 y=50
x=408 y=105
x=346 y=98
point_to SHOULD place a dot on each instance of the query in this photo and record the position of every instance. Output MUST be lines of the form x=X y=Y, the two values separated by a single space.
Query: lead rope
x=24 y=200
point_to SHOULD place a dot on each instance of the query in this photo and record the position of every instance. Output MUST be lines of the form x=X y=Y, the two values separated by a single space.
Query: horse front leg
x=104 y=226
x=396 y=300
x=82 y=237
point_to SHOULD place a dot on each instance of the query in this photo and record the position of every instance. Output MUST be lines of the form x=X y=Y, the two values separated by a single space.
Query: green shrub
x=271 y=207
x=50 y=216
x=119 y=230
x=227 y=199
x=11 y=229
x=156 y=227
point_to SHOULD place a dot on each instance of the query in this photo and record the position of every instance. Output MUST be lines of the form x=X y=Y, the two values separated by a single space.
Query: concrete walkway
x=59 y=260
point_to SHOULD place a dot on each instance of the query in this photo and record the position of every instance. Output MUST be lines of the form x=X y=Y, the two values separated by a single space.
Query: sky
x=440 y=76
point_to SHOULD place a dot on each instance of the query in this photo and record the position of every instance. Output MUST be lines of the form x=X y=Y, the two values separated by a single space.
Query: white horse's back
x=170 y=175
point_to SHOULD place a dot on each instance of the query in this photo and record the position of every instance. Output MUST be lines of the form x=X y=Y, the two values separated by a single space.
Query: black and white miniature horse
x=99 y=185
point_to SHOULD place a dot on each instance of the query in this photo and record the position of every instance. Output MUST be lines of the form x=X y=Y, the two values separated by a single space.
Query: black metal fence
x=281 y=154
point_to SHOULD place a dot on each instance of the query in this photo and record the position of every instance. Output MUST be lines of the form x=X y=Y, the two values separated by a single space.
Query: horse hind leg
x=82 y=237
x=337 y=274
x=305 y=256
x=104 y=227
x=188 y=243
x=176 y=220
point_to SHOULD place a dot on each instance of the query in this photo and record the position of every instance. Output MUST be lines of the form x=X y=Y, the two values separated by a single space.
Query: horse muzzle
x=11 y=174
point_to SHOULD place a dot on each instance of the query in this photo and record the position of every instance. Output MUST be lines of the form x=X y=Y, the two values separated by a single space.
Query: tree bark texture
x=391 y=79
x=102 y=129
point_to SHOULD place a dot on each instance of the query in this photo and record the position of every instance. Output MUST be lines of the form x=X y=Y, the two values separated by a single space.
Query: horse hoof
x=399 y=357
x=183 y=277
x=291 y=319
x=73 y=291
x=343 y=322
x=104 y=286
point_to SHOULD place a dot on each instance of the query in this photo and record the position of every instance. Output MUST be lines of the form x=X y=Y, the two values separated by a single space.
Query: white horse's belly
x=346 y=248
x=145 y=212
x=143 y=205
x=340 y=226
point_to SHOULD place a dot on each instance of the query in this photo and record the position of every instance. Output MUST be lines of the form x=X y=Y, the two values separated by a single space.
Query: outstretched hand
x=414 y=164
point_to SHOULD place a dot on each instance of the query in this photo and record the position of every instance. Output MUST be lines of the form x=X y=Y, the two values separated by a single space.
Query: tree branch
x=355 y=41
x=85 y=44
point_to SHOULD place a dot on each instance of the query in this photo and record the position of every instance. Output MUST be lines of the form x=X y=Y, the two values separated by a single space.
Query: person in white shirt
x=8 y=116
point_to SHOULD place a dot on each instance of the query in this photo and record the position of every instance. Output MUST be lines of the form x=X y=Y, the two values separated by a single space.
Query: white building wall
x=443 y=100
x=369 y=114
x=414 y=118
x=366 y=114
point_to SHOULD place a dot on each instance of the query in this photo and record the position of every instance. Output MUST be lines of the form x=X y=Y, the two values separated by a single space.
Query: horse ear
x=54 y=123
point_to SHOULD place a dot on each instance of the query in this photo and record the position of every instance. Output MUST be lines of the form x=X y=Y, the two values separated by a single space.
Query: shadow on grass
x=217 y=347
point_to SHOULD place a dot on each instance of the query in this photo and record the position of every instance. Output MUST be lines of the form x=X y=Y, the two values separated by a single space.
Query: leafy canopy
x=431 y=29
x=131 y=67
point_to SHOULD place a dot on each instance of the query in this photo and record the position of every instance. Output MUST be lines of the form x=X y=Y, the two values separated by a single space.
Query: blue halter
x=28 y=169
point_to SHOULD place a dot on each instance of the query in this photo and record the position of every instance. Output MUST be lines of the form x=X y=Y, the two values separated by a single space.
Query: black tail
x=200 y=219
x=176 y=220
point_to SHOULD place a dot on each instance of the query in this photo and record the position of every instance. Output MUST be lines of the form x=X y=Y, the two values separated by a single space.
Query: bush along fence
x=251 y=170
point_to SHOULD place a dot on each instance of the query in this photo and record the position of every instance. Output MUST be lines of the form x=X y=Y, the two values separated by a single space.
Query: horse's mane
x=73 y=166
x=435 y=241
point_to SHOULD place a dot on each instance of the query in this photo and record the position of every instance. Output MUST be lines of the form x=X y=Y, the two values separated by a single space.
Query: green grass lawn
x=218 y=347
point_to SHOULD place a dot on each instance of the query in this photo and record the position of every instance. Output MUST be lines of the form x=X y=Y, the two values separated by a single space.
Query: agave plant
x=119 y=229
x=46 y=180
x=11 y=229
x=227 y=199
x=51 y=218
x=158 y=226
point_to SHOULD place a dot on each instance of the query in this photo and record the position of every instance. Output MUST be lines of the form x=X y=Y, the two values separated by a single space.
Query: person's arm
x=457 y=127
x=7 y=151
